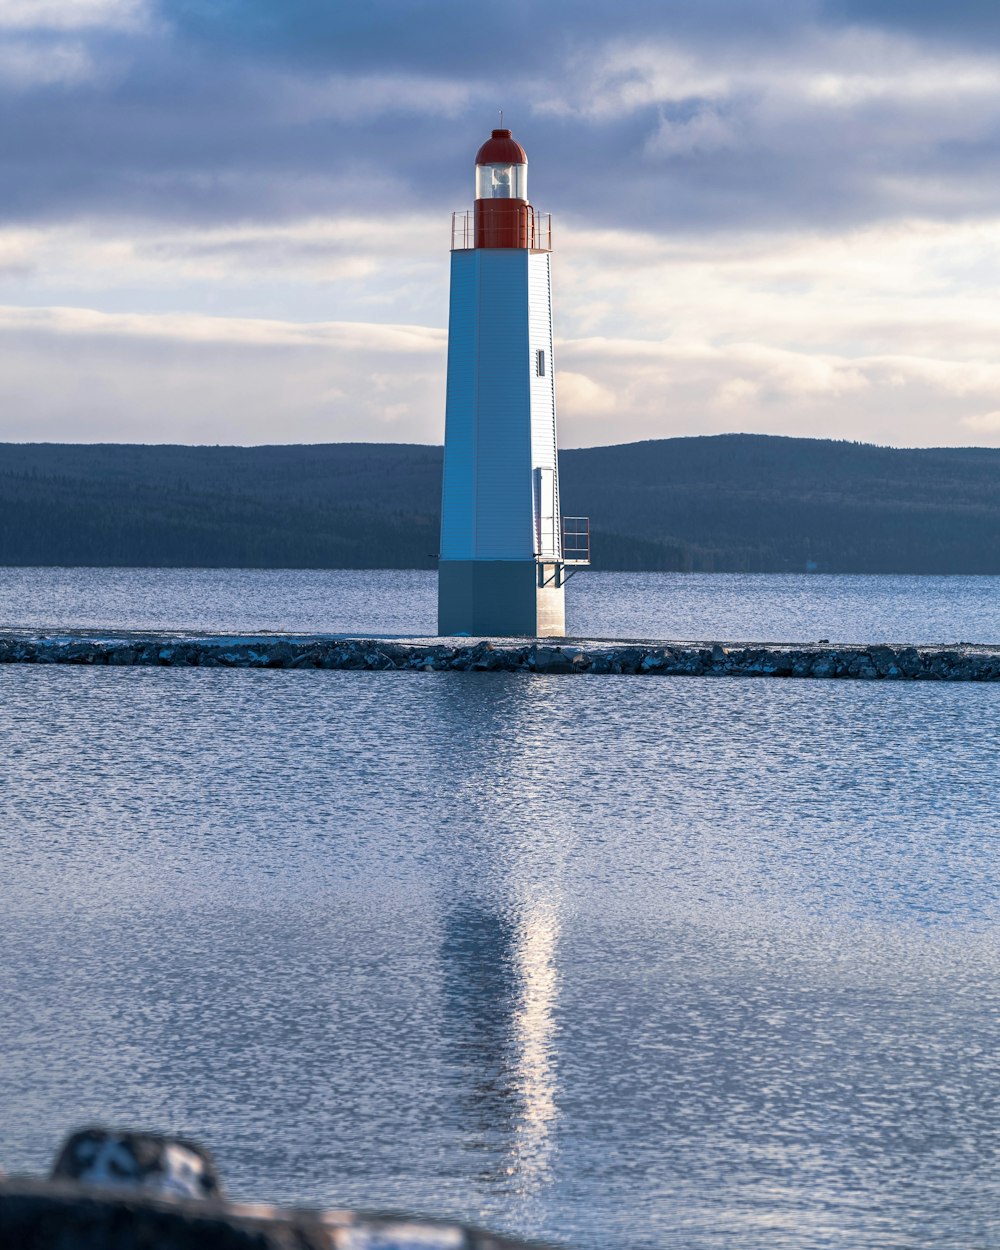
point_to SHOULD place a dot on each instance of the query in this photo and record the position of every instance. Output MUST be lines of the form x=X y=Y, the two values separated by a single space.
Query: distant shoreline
x=723 y=504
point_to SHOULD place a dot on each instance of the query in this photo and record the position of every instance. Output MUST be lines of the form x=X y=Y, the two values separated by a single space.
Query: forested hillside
x=726 y=503
x=743 y=502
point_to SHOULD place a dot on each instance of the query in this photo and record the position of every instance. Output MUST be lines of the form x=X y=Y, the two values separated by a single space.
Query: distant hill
x=737 y=502
x=755 y=503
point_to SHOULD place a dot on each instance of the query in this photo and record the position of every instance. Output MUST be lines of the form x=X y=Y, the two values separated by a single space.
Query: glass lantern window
x=501 y=182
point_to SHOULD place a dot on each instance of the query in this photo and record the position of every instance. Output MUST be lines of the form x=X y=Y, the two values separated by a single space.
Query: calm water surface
x=724 y=606
x=621 y=962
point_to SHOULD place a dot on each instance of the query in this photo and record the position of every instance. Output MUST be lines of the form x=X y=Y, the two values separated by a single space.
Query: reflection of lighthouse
x=503 y=553
x=500 y=993
x=501 y=922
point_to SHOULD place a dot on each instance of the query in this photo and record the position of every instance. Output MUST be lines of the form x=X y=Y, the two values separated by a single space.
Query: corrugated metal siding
x=504 y=522
x=458 y=491
x=500 y=422
x=543 y=399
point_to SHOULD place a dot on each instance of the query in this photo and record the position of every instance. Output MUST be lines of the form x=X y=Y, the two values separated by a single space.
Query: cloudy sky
x=227 y=220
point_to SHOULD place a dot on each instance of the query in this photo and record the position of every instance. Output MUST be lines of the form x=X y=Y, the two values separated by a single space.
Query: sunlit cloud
x=191 y=328
x=80 y=375
x=85 y=375
x=984 y=423
x=780 y=225
x=582 y=396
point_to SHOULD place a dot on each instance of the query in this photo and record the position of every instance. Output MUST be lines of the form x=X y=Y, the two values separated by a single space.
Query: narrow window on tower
x=540 y=363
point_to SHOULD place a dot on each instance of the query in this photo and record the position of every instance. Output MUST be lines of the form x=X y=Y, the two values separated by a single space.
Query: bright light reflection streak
x=534 y=1028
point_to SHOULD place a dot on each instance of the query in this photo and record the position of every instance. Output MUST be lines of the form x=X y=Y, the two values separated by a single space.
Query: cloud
x=775 y=217
x=704 y=131
x=73 y=14
x=24 y=65
x=347 y=97
x=580 y=396
x=78 y=375
x=81 y=376
x=885 y=334
x=232 y=331
x=719 y=116
x=972 y=22
x=984 y=423
x=910 y=288
x=346 y=268
x=689 y=387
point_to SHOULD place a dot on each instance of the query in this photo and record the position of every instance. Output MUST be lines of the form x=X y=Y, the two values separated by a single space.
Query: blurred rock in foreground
x=163 y=1165
x=114 y=1190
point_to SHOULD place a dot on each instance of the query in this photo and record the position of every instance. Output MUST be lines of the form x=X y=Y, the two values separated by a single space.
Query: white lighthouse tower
x=504 y=551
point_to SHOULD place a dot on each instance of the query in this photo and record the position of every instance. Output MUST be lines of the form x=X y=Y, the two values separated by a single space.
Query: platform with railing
x=463 y=230
x=576 y=539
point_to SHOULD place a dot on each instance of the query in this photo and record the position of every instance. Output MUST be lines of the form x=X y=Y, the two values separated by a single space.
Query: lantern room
x=501 y=182
x=503 y=215
x=501 y=169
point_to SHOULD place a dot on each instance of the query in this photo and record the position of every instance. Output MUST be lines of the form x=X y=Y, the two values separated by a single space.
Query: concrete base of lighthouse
x=501 y=598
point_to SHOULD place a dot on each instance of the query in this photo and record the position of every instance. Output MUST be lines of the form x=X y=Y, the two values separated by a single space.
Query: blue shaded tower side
x=499 y=515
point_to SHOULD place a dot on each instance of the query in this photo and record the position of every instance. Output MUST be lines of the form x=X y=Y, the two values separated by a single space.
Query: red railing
x=463 y=230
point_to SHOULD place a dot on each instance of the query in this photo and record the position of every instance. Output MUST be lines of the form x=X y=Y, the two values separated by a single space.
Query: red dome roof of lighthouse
x=501 y=149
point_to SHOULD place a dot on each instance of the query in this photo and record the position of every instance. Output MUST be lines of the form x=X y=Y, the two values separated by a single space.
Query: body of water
x=722 y=606
x=618 y=962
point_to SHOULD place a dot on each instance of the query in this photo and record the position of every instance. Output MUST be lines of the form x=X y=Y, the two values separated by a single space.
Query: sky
x=227 y=221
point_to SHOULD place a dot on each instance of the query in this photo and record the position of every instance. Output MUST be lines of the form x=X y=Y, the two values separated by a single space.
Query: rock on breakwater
x=955 y=662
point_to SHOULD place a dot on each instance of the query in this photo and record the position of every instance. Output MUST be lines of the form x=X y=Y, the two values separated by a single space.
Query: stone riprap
x=958 y=661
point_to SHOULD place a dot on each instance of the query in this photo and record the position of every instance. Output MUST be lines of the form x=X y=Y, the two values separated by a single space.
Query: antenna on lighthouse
x=501 y=119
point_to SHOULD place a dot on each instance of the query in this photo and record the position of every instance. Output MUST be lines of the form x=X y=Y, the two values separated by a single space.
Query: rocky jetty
x=960 y=661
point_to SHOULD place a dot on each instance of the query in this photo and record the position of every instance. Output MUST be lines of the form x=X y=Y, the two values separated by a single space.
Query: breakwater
x=947 y=662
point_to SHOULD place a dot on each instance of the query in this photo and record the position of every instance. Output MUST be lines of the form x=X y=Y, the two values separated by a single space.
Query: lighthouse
x=505 y=552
